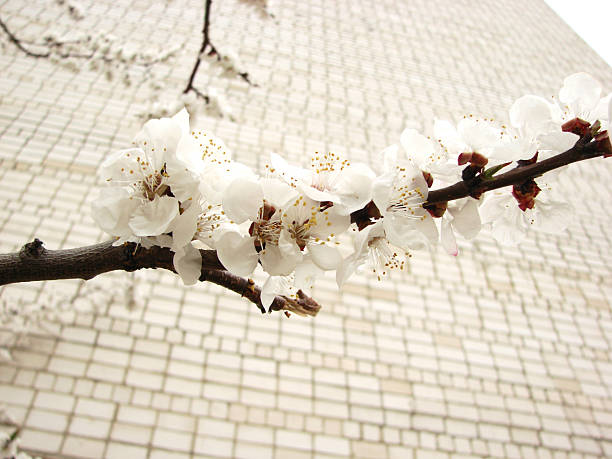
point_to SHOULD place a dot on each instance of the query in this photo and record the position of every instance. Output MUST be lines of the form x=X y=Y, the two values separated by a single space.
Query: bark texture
x=35 y=263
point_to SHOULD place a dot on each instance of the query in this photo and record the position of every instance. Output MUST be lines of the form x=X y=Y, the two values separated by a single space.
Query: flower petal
x=558 y=142
x=153 y=218
x=273 y=286
x=509 y=228
x=276 y=191
x=185 y=225
x=532 y=115
x=427 y=227
x=552 y=216
x=495 y=203
x=389 y=155
x=306 y=274
x=330 y=222
x=158 y=138
x=581 y=92
x=418 y=148
x=381 y=191
x=445 y=132
x=318 y=195
x=182 y=119
x=237 y=253
x=282 y=259
x=347 y=268
x=188 y=264
x=183 y=183
x=324 y=256
x=478 y=134
x=112 y=210
x=467 y=220
x=447 y=237
x=242 y=199
x=354 y=187
x=215 y=179
x=286 y=171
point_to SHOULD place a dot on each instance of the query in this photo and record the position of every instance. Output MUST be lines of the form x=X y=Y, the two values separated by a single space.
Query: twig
x=203 y=46
x=55 y=48
x=207 y=49
x=583 y=149
x=17 y=42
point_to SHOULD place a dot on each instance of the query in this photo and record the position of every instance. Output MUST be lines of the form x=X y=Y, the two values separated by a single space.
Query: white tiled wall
x=504 y=351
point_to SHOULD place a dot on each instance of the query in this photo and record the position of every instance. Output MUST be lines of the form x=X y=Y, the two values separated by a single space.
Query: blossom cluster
x=180 y=188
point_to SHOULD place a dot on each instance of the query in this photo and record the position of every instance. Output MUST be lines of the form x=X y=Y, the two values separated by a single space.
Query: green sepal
x=491 y=171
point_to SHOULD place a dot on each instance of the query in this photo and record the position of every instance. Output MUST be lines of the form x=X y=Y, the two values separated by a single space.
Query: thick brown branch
x=35 y=263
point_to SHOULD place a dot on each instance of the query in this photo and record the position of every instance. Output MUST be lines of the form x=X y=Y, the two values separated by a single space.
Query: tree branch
x=35 y=263
x=207 y=44
x=583 y=149
x=57 y=48
x=17 y=42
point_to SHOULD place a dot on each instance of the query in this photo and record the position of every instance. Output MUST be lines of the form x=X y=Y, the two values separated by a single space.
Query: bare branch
x=203 y=46
x=208 y=49
x=18 y=43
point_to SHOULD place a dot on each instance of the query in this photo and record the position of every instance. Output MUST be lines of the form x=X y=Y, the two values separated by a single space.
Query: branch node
x=250 y=288
x=129 y=254
x=303 y=305
x=32 y=249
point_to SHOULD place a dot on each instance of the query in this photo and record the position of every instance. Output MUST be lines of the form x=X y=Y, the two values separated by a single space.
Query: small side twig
x=207 y=48
x=18 y=43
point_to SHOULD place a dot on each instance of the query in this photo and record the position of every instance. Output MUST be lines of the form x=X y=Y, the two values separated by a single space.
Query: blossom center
x=405 y=198
x=383 y=257
x=326 y=168
x=265 y=232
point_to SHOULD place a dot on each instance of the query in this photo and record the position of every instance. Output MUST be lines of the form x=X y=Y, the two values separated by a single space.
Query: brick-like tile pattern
x=501 y=352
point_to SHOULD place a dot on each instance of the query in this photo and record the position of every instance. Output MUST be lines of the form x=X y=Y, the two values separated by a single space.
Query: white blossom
x=399 y=194
x=179 y=188
x=580 y=97
x=258 y=203
x=509 y=225
x=373 y=249
x=331 y=178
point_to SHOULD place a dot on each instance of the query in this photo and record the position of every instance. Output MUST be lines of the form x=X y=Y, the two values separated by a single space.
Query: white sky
x=591 y=19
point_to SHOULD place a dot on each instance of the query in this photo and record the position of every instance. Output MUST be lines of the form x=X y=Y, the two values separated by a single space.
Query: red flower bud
x=525 y=194
x=464 y=158
x=602 y=141
x=478 y=160
x=576 y=126
x=428 y=178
